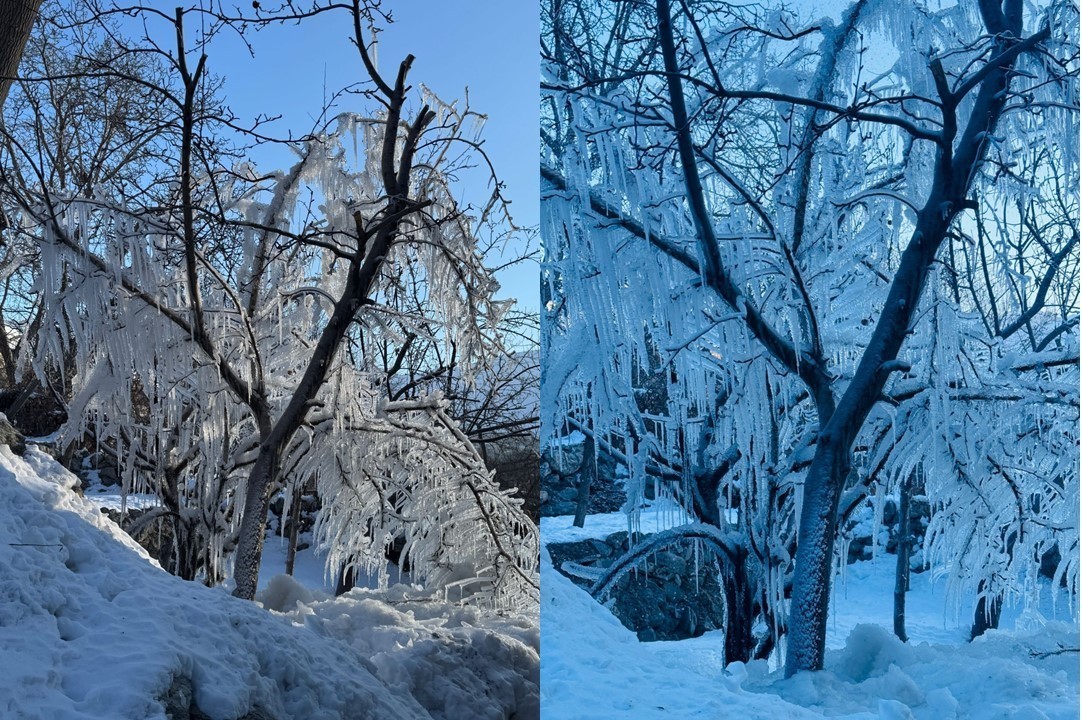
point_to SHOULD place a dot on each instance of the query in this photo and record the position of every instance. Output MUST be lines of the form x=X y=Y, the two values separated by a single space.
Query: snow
x=444 y=656
x=309 y=568
x=112 y=497
x=652 y=517
x=90 y=627
x=1030 y=669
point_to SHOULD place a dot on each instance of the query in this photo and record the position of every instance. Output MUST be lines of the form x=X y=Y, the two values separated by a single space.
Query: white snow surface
x=459 y=662
x=90 y=627
x=596 y=669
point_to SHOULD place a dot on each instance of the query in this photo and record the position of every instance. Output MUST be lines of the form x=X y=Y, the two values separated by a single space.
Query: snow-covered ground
x=91 y=628
x=594 y=668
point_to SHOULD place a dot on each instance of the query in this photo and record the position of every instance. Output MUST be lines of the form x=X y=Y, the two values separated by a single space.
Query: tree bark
x=16 y=21
x=739 y=612
x=986 y=616
x=253 y=522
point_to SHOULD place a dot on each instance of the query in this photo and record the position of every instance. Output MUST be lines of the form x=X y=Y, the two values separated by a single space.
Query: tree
x=86 y=130
x=778 y=196
x=222 y=312
x=17 y=19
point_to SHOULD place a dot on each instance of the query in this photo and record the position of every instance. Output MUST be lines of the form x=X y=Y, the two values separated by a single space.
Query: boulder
x=11 y=437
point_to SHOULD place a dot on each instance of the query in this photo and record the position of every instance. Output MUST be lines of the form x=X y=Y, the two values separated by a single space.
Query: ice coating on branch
x=117 y=308
x=676 y=385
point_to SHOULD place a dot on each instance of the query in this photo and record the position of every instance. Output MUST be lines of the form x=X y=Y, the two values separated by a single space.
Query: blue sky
x=488 y=46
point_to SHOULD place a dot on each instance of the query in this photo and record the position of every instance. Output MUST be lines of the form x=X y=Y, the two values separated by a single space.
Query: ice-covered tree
x=85 y=128
x=208 y=329
x=797 y=225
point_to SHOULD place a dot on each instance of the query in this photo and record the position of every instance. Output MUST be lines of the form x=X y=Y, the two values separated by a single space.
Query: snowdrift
x=596 y=669
x=90 y=627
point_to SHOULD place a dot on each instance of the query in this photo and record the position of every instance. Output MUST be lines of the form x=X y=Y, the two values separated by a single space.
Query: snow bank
x=1002 y=675
x=458 y=662
x=596 y=668
x=91 y=628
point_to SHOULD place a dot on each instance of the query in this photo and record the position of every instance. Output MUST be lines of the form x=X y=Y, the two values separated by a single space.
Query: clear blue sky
x=488 y=46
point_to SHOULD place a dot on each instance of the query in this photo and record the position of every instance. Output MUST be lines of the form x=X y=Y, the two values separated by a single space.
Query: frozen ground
x=91 y=628
x=596 y=669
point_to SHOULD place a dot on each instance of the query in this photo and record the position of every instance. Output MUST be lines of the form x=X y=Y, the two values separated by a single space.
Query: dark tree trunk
x=739 y=613
x=986 y=616
x=347 y=580
x=16 y=21
x=187 y=550
x=901 y=570
x=587 y=475
x=253 y=522
x=294 y=522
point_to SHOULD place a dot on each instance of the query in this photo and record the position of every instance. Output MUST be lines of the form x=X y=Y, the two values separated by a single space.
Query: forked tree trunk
x=955 y=168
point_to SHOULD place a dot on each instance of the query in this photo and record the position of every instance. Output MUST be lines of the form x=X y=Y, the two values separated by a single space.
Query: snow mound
x=1002 y=675
x=283 y=593
x=458 y=662
x=91 y=628
x=596 y=668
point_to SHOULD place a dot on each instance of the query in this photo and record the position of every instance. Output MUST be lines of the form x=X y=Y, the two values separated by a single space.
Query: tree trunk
x=955 y=168
x=188 y=551
x=294 y=521
x=347 y=580
x=587 y=475
x=986 y=616
x=739 y=614
x=815 y=555
x=16 y=21
x=901 y=570
x=254 y=521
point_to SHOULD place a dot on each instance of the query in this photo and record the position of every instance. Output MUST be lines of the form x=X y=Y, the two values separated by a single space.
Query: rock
x=602 y=548
x=566 y=459
x=672 y=562
x=890 y=513
x=555 y=509
x=11 y=437
x=560 y=483
x=179 y=701
x=108 y=475
x=666 y=601
x=570 y=494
